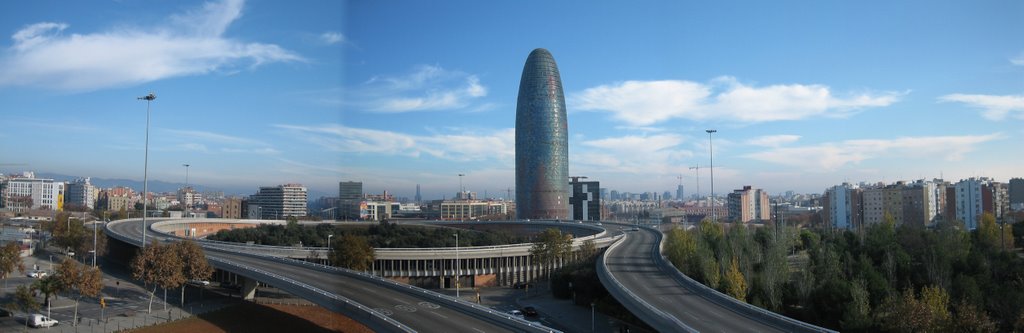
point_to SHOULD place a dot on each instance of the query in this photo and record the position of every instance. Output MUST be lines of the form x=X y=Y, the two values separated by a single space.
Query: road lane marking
x=477 y=329
x=439 y=315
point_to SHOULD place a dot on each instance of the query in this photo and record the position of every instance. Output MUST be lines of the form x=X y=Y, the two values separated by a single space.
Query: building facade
x=233 y=208
x=585 y=202
x=1015 y=191
x=27 y=192
x=279 y=202
x=842 y=206
x=748 y=205
x=350 y=194
x=969 y=201
x=542 y=141
x=81 y=193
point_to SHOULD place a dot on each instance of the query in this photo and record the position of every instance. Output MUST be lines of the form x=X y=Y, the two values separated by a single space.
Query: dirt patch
x=251 y=317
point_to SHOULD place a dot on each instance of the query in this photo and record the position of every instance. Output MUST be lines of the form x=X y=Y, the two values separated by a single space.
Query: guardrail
x=473 y=309
x=374 y=320
x=751 y=311
x=659 y=320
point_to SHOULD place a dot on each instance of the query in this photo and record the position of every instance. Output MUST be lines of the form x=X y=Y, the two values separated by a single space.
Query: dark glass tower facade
x=542 y=141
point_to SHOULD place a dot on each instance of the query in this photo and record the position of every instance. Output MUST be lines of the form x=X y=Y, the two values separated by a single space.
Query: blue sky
x=803 y=94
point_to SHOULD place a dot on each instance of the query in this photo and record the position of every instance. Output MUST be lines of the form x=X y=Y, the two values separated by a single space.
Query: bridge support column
x=248 y=288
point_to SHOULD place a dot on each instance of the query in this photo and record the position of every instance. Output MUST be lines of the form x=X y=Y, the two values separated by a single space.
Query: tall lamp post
x=329 y=241
x=185 y=192
x=711 y=149
x=457 y=268
x=145 y=167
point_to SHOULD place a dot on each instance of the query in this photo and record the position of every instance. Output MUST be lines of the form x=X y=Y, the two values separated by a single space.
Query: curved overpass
x=379 y=304
x=637 y=275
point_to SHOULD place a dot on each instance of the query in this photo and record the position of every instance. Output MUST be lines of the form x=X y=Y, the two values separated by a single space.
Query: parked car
x=5 y=313
x=517 y=314
x=199 y=283
x=37 y=274
x=521 y=285
x=38 y=320
x=530 y=311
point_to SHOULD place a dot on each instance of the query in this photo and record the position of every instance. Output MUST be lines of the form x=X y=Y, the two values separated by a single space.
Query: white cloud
x=428 y=88
x=461 y=146
x=1019 y=60
x=996 y=107
x=332 y=37
x=642 y=103
x=831 y=156
x=656 y=154
x=188 y=44
x=232 y=144
x=773 y=140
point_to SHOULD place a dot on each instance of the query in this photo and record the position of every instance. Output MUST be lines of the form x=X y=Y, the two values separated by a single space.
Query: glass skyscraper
x=542 y=141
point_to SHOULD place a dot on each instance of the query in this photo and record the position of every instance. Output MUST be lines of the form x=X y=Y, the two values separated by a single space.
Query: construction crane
x=696 y=177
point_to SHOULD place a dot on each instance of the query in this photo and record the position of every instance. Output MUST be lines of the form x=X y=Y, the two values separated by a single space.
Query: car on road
x=38 y=320
x=530 y=311
x=598 y=223
x=37 y=274
x=635 y=228
x=517 y=314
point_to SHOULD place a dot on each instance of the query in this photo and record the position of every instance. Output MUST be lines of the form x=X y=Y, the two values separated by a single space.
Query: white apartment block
x=27 y=192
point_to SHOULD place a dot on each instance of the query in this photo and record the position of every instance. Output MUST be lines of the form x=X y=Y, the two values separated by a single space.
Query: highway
x=632 y=264
x=416 y=308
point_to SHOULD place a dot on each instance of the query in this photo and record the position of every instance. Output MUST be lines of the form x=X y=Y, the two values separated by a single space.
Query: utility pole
x=711 y=150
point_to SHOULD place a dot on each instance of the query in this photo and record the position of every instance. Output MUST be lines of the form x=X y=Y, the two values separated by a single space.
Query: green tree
x=987 y=233
x=352 y=252
x=157 y=265
x=857 y=317
x=587 y=250
x=550 y=246
x=24 y=301
x=680 y=247
x=48 y=285
x=193 y=261
x=10 y=260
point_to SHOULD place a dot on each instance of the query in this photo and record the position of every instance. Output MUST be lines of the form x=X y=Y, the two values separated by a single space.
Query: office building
x=80 y=193
x=279 y=202
x=585 y=202
x=25 y=192
x=1015 y=191
x=679 y=193
x=350 y=194
x=542 y=141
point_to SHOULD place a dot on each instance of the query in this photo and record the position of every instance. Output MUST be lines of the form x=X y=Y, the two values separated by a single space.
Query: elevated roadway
x=635 y=273
x=381 y=305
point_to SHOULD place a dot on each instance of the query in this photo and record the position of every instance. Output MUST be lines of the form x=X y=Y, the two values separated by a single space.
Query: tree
x=10 y=259
x=857 y=316
x=24 y=301
x=680 y=247
x=735 y=284
x=48 y=285
x=158 y=266
x=988 y=233
x=968 y=318
x=194 y=263
x=551 y=245
x=82 y=280
x=587 y=250
x=352 y=252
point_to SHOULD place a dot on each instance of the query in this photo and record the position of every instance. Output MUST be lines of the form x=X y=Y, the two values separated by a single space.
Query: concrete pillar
x=248 y=288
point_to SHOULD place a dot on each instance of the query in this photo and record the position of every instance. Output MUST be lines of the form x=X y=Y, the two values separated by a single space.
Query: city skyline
x=804 y=96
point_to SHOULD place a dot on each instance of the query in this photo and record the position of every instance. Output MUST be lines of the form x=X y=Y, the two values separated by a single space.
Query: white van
x=38 y=320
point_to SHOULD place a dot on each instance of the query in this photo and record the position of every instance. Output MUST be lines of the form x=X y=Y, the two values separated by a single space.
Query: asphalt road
x=632 y=265
x=418 y=312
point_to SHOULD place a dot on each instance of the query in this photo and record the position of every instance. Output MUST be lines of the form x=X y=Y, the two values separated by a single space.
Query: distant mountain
x=154 y=185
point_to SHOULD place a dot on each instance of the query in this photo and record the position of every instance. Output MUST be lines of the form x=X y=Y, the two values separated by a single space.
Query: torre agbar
x=542 y=141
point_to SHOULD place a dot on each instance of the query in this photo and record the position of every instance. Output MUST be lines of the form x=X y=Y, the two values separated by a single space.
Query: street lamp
x=457 y=269
x=329 y=241
x=145 y=167
x=711 y=149
x=592 y=317
x=185 y=191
